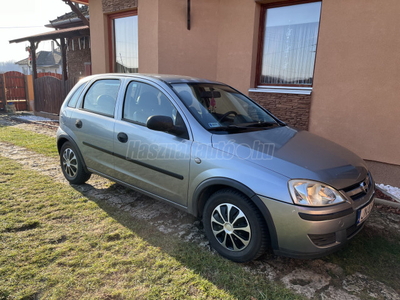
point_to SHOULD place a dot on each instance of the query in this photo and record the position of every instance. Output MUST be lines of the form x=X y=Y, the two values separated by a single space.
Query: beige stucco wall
x=355 y=99
x=98 y=37
x=188 y=52
x=148 y=36
x=237 y=38
x=219 y=45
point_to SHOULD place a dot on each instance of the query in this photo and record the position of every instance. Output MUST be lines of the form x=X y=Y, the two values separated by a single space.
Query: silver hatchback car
x=206 y=148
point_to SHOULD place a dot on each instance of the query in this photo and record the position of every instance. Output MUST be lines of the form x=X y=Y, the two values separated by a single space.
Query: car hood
x=295 y=154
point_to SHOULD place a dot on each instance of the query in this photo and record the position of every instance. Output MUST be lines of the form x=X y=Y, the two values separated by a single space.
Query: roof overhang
x=56 y=34
x=86 y=2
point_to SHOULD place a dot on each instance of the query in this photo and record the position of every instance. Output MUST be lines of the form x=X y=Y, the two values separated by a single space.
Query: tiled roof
x=71 y=15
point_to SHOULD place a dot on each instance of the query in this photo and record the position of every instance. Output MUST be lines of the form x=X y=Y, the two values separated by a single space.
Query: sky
x=21 y=18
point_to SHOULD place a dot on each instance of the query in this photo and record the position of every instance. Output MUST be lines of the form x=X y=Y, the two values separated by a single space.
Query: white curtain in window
x=290 y=44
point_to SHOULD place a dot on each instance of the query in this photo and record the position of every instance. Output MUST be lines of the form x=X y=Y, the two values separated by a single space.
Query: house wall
x=188 y=52
x=98 y=37
x=237 y=40
x=117 y=5
x=355 y=98
x=148 y=39
x=293 y=109
x=77 y=57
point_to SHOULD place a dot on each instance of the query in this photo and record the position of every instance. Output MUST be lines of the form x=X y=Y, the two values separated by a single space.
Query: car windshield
x=221 y=108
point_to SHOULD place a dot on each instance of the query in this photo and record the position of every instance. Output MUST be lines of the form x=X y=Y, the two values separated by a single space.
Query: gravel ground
x=314 y=279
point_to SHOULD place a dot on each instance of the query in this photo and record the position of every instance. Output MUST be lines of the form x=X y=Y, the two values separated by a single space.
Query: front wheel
x=71 y=165
x=234 y=226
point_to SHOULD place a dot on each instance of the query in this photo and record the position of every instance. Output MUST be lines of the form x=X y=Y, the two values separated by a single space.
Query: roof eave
x=86 y=2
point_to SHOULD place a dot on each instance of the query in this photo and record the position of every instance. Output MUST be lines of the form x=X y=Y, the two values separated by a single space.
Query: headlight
x=312 y=193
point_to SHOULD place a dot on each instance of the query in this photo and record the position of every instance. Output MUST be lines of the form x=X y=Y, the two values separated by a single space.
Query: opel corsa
x=204 y=147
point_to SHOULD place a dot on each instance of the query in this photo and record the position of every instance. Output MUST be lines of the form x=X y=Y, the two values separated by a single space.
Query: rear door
x=154 y=161
x=93 y=125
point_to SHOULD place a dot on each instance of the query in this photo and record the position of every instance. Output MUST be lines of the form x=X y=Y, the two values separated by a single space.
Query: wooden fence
x=12 y=90
x=50 y=93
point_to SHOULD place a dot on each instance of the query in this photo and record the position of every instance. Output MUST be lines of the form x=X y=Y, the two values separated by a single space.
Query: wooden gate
x=15 y=89
x=2 y=93
x=12 y=90
x=50 y=93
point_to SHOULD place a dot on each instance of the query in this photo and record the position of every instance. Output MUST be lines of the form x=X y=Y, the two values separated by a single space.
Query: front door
x=157 y=162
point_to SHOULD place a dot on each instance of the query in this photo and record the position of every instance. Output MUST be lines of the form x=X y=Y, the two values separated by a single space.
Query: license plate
x=364 y=212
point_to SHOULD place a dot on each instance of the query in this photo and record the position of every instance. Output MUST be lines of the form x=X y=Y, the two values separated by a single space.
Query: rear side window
x=75 y=96
x=101 y=97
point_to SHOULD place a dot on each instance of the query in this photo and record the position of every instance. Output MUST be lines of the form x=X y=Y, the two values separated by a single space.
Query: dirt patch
x=314 y=279
x=41 y=128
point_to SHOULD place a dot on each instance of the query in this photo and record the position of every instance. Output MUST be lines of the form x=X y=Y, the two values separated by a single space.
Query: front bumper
x=310 y=232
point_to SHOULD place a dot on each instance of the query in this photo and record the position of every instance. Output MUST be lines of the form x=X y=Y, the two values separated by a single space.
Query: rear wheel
x=234 y=226
x=71 y=165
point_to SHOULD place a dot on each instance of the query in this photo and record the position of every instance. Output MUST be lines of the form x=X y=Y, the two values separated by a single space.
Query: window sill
x=282 y=90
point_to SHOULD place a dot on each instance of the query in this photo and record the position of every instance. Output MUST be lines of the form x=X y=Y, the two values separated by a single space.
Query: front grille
x=360 y=189
x=323 y=239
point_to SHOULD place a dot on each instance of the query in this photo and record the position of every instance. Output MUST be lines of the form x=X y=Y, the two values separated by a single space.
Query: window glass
x=217 y=105
x=101 y=97
x=290 y=43
x=143 y=101
x=75 y=96
x=126 y=44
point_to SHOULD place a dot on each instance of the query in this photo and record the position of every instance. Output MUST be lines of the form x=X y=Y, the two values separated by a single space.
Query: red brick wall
x=110 y=6
x=292 y=109
x=76 y=57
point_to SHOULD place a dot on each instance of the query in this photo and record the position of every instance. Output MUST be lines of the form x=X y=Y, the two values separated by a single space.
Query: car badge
x=364 y=187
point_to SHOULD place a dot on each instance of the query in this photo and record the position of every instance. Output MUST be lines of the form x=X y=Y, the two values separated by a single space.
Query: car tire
x=72 y=165
x=234 y=226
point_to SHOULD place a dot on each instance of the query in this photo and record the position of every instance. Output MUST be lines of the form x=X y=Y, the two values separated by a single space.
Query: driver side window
x=143 y=101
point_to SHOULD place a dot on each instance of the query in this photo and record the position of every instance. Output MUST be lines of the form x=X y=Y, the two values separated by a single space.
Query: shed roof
x=56 y=34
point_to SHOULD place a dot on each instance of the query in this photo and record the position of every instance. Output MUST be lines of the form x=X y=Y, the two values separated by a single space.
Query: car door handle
x=122 y=137
x=78 y=123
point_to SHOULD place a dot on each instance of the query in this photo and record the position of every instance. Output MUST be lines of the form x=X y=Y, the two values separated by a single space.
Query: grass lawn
x=55 y=243
x=39 y=143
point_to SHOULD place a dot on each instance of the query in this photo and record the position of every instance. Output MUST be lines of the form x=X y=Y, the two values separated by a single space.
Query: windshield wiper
x=228 y=128
x=259 y=124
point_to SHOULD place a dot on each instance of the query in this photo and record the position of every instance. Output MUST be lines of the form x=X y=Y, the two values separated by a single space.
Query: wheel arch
x=205 y=189
x=65 y=138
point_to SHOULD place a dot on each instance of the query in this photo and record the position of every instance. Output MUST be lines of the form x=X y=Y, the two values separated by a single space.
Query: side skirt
x=132 y=187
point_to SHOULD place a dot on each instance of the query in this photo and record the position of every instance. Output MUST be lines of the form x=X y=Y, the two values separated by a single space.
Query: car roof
x=170 y=79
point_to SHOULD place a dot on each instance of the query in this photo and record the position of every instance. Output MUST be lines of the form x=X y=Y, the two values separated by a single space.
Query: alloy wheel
x=69 y=162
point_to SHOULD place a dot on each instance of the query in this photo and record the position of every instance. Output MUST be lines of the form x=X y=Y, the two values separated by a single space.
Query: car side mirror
x=160 y=123
x=164 y=123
